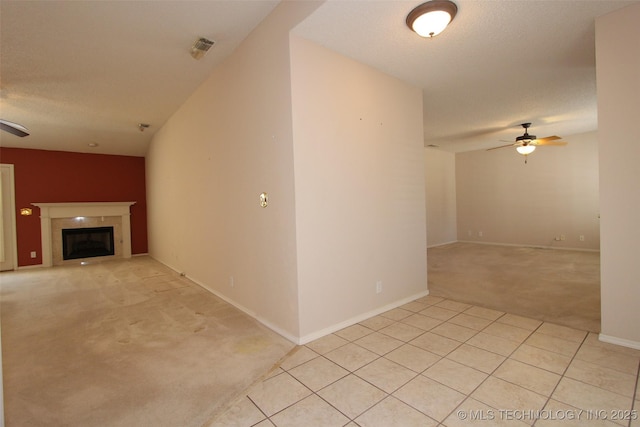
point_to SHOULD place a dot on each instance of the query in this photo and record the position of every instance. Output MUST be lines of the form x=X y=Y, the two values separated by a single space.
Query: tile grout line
x=387 y=395
x=349 y=373
x=489 y=375
x=379 y=356
x=452 y=350
x=635 y=396
x=563 y=376
x=468 y=395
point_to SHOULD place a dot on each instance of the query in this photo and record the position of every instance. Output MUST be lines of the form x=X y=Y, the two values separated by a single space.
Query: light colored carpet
x=124 y=343
x=558 y=286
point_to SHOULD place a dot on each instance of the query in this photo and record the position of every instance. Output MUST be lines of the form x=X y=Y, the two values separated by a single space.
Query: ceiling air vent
x=201 y=47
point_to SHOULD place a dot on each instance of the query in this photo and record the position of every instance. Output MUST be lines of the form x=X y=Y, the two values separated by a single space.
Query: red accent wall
x=60 y=176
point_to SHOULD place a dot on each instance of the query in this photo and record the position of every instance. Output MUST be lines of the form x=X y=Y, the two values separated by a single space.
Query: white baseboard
x=228 y=300
x=619 y=341
x=310 y=337
x=442 y=244
x=331 y=329
x=520 y=245
x=315 y=335
x=246 y=311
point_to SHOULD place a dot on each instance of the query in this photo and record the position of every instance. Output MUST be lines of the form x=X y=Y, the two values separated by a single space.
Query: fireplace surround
x=54 y=217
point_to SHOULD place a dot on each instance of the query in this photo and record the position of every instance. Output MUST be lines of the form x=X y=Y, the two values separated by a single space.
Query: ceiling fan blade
x=549 y=138
x=502 y=146
x=558 y=143
x=13 y=128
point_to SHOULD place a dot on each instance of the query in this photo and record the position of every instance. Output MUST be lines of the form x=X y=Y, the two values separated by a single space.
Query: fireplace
x=87 y=242
x=55 y=217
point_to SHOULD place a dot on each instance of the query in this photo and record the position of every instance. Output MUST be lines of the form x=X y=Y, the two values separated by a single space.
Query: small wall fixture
x=26 y=211
x=431 y=18
x=264 y=200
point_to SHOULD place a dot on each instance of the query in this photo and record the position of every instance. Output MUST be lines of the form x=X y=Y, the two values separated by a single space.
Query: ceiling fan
x=525 y=144
x=14 y=128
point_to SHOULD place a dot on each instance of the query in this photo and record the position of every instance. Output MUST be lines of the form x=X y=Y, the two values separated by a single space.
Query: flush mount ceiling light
x=201 y=47
x=431 y=18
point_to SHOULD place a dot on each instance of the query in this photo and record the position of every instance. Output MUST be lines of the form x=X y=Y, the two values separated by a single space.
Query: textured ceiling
x=498 y=64
x=83 y=72
x=80 y=72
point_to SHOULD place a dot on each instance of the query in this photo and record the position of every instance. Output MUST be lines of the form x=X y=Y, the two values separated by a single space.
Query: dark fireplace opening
x=87 y=242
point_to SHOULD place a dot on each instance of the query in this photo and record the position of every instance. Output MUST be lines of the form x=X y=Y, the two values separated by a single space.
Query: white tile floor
x=437 y=362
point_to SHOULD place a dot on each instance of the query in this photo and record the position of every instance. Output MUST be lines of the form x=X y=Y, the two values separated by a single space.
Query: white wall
x=360 y=197
x=208 y=165
x=440 y=185
x=338 y=148
x=556 y=193
x=618 y=71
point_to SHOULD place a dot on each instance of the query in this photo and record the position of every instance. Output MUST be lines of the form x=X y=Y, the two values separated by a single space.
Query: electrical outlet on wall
x=34 y=254
x=378 y=286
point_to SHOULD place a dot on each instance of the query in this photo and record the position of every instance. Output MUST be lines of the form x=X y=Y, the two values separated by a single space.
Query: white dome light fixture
x=431 y=18
x=525 y=150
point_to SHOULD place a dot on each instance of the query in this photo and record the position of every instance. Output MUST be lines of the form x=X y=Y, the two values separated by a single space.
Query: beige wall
x=338 y=148
x=209 y=163
x=510 y=202
x=618 y=71
x=440 y=185
x=360 y=198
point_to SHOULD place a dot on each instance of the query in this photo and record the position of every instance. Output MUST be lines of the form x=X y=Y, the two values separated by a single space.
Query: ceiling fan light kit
x=431 y=18
x=525 y=150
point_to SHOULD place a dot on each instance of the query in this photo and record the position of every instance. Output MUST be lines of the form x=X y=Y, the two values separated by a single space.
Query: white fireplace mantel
x=49 y=211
